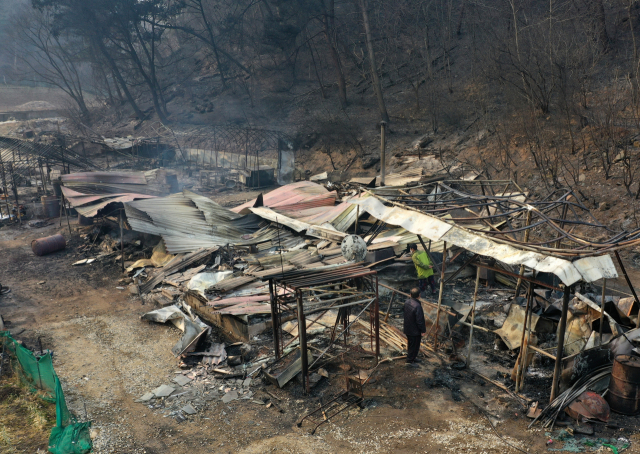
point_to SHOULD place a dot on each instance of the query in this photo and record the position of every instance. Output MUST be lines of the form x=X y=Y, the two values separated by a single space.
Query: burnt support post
x=604 y=291
x=376 y=312
x=526 y=240
x=444 y=259
x=633 y=291
x=383 y=152
x=121 y=219
x=560 y=351
x=4 y=188
x=14 y=186
x=275 y=321
x=302 y=332
x=524 y=340
x=63 y=201
x=473 y=316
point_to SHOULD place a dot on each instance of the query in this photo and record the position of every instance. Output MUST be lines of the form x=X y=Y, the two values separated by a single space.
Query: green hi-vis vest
x=422 y=263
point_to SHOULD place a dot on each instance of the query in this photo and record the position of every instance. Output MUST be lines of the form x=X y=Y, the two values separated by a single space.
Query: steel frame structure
x=559 y=225
x=305 y=292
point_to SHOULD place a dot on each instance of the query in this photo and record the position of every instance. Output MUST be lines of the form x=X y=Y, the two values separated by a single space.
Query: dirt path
x=107 y=358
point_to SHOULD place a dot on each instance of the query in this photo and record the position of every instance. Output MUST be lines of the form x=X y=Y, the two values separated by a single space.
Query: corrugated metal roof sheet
x=588 y=268
x=231 y=283
x=301 y=195
x=188 y=222
x=106 y=177
x=89 y=205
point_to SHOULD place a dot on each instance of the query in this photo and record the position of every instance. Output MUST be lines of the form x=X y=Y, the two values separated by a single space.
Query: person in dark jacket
x=414 y=326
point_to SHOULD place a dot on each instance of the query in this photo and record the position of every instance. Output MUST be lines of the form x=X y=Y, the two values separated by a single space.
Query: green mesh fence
x=68 y=436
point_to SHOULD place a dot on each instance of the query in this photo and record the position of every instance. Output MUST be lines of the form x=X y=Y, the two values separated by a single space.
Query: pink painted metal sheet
x=301 y=195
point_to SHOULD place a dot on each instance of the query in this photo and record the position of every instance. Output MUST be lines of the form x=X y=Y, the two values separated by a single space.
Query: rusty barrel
x=51 y=206
x=624 y=387
x=49 y=244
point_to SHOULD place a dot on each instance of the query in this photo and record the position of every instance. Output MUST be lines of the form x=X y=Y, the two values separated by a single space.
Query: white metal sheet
x=588 y=269
x=418 y=223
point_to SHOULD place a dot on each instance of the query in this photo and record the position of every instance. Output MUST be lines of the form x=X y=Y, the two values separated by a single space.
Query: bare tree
x=51 y=58
x=377 y=86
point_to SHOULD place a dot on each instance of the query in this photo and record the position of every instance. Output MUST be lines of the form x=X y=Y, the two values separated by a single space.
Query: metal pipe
x=383 y=149
x=626 y=276
x=302 y=332
x=604 y=289
x=560 y=350
x=473 y=316
x=393 y=296
x=121 y=240
x=444 y=260
x=520 y=369
x=526 y=240
x=459 y=270
x=376 y=311
x=69 y=224
x=274 y=319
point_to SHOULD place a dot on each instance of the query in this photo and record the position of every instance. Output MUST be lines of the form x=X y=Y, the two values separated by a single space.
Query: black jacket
x=413 y=318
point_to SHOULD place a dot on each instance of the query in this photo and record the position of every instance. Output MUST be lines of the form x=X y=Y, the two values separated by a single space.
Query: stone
x=163 y=391
x=147 y=397
x=231 y=395
x=248 y=395
x=246 y=383
x=188 y=409
x=181 y=380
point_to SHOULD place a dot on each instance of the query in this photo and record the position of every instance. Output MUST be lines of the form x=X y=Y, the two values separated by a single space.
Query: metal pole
x=604 y=290
x=4 y=188
x=66 y=214
x=274 y=318
x=560 y=350
x=15 y=191
x=626 y=276
x=302 y=332
x=444 y=259
x=393 y=296
x=526 y=240
x=258 y=167
x=60 y=214
x=376 y=312
x=524 y=341
x=383 y=149
x=473 y=316
x=121 y=222
x=357 y=214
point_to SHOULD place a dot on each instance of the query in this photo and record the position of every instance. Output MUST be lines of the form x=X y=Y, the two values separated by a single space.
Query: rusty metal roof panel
x=301 y=195
x=231 y=283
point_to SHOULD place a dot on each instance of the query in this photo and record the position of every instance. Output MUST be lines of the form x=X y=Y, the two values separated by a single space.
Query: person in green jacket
x=424 y=269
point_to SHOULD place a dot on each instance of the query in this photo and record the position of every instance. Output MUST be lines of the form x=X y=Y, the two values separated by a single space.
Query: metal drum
x=47 y=245
x=50 y=206
x=624 y=387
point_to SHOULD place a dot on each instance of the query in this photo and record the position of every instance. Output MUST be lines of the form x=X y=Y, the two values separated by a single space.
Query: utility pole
x=383 y=149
